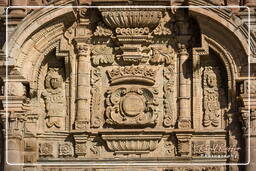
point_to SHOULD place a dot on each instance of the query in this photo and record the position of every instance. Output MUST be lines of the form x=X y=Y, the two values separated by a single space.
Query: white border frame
x=128 y=163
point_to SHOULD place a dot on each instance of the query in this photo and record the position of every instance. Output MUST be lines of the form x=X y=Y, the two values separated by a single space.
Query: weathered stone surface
x=128 y=85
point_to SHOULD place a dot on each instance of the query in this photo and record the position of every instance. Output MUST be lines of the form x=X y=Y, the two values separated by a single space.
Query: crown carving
x=132 y=74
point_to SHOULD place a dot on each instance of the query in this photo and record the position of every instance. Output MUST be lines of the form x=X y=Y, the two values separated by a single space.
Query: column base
x=81 y=124
x=184 y=123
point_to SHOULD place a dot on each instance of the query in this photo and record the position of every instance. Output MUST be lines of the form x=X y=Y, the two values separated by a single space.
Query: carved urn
x=132 y=17
x=132 y=143
x=133 y=27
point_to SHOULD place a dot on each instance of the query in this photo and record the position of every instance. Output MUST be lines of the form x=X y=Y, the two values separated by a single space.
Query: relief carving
x=54 y=97
x=135 y=143
x=183 y=147
x=169 y=89
x=81 y=149
x=170 y=145
x=132 y=74
x=131 y=17
x=102 y=55
x=96 y=108
x=81 y=145
x=46 y=150
x=66 y=150
x=131 y=106
x=212 y=92
x=128 y=89
x=70 y=33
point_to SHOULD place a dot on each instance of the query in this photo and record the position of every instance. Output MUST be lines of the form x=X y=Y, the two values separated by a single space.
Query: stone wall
x=105 y=87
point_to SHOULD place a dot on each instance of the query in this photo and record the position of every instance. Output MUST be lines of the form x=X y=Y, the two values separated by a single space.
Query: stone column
x=248 y=117
x=15 y=126
x=184 y=120
x=83 y=86
x=250 y=138
x=82 y=39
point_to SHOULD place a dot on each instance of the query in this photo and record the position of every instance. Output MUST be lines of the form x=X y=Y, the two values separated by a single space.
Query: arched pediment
x=226 y=32
x=40 y=30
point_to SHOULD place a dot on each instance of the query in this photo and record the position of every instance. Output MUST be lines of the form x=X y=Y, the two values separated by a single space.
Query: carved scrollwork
x=102 y=55
x=96 y=119
x=169 y=74
x=131 y=106
x=212 y=92
x=54 y=97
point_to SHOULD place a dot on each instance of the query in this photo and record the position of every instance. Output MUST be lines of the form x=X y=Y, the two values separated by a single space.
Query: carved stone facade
x=128 y=85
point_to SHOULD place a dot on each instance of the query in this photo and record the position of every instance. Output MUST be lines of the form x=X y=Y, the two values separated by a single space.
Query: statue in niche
x=54 y=97
x=212 y=92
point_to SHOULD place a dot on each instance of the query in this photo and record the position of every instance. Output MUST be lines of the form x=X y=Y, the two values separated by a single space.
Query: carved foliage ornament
x=96 y=118
x=131 y=106
x=102 y=55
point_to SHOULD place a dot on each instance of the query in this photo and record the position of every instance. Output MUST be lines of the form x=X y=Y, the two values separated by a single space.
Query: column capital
x=182 y=49
x=83 y=49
